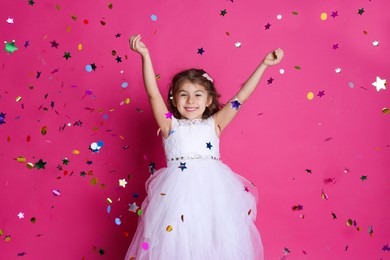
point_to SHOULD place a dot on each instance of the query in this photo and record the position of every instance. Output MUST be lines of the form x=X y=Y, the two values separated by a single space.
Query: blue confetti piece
x=118 y=221
x=153 y=17
x=125 y=84
x=88 y=68
x=108 y=209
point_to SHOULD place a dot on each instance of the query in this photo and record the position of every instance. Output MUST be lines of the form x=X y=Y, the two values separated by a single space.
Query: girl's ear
x=209 y=101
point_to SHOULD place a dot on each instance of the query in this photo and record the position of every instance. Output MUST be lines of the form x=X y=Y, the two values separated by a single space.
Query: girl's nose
x=190 y=100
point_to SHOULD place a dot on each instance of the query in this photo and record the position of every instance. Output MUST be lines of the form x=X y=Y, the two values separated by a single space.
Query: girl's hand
x=273 y=57
x=137 y=45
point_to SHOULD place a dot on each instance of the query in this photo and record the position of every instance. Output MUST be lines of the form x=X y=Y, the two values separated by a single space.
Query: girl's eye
x=198 y=95
x=183 y=95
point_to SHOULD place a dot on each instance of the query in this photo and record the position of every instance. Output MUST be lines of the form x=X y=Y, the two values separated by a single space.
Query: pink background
x=278 y=137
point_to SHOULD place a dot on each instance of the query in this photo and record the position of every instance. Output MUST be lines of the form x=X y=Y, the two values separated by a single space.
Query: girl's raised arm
x=156 y=100
x=223 y=117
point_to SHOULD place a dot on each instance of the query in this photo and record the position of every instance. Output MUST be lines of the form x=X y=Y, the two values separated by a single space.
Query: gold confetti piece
x=74 y=18
x=44 y=130
x=310 y=96
x=158 y=76
x=76 y=152
x=1 y=232
x=93 y=181
x=21 y=159
x=324 y=16
x=113 y=52
x=33 y=220
x=127 y=101
x=80 y=47
x=110 y=5
x=169 y=228
x=295 y=13
x=68 y=28
x=163 y=194
x=30 y=165
x=18 y=98
x=109 y=200
x=227 y=33
x=58 y=7
x=385 y=110
x=7 y=238
x=102 y=186
x=182 y=218
x=297 y=67
x=349 y=222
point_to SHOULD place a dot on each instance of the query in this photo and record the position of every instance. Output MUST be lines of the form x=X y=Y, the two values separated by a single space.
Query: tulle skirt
x=201 y=210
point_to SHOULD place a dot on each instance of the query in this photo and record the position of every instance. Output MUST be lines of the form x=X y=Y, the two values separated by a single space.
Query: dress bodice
x=192 y=139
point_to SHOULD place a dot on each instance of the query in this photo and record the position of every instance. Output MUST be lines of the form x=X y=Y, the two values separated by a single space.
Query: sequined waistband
x=193 y=157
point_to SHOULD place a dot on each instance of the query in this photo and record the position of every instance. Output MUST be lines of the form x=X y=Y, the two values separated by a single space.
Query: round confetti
x=310 y=96
x=118 y=221
x=324 y=16
x=76 y=152
x=88 y=92
x=153 y=17
x=33 y=220
x=125 y=84
x=385 y=110
x=169 y=228
x=281 y=71
x=127 y=101
x=145 y=246
x=21 y=159
x=80 y=47
x=88 y=68
x=108 y=209
x=351 y=85
x=349 y=222
x=86 y=21
x=279 y=16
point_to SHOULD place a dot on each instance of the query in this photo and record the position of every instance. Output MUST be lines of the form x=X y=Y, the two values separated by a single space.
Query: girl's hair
x=195 y=76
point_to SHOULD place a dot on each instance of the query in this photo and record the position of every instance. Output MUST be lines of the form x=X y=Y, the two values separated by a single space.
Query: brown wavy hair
x=193 y=76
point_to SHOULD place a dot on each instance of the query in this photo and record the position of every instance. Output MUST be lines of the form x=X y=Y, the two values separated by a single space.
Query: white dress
x=197 y=207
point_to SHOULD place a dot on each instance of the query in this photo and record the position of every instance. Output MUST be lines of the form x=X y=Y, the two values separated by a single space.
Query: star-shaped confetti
x=65 y=161
x=133 y=207
x=31 y=2
x=26 y=44
x=334 y=14
x=297 y=207
x=67 y=55
x=10 y=47
x=363 y=178
x=122 y=183
x=267 y=26
x=83 y=174
x=321 y=93
x=361 y=11
x=168 y=115
x=235 y=104
x=379 y=84
x=118 y=59
x=246 y=189
x=335 y=46
x=54 y=44
x=200 y=51
x=223 y=12
x=334 y=215
x=308 y=170
x=40 y=164
x=21 y=215
x=101 y=251
x=10 y=20
x=375 y=43
x=238 y=44
x=270 y=80
x=208 y=145
x=182 y=166
x=337 y=70
x=22 y=254
x=118 y=35
x=386 y=247
x=2 y=118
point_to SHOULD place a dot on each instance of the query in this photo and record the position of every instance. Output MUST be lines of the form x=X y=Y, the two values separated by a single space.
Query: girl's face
x=191 y=100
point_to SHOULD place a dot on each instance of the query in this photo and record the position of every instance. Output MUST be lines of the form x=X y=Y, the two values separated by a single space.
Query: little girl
x=197 y=207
